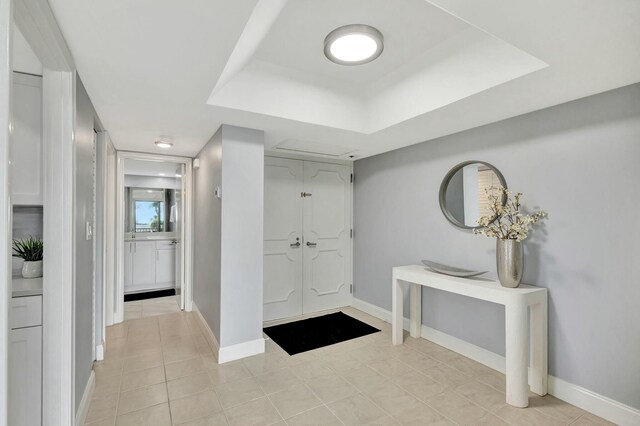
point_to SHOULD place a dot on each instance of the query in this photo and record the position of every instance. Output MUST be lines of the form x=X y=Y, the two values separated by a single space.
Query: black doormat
x=131 y=297
x=313 y=333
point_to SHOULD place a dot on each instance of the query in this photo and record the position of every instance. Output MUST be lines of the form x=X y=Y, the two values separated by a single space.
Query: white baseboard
x=83 y=409
x=206 y=330
x=592 y=402
x=597 y=404
x=228 y=353
x=240 y=350
x=100 y=353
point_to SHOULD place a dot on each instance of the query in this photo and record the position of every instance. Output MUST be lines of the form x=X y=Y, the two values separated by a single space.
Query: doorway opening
x=153 y=236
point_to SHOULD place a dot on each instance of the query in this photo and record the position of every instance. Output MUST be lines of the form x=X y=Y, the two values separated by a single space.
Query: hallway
x=161 y=371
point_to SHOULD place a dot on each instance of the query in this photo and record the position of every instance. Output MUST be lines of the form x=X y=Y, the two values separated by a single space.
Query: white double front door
x=307 y=237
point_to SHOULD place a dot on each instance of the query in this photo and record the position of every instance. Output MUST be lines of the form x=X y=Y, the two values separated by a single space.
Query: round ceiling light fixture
x=164 y=142
x=354 y=44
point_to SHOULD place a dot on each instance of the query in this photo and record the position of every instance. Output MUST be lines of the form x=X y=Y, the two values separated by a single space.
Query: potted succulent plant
x=510 y=226
x=29 y=249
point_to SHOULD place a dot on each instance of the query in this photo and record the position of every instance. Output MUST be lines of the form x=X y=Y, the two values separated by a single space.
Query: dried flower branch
x=506 y=222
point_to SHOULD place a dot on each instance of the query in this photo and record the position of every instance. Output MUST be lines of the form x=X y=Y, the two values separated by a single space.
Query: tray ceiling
x=183 y=68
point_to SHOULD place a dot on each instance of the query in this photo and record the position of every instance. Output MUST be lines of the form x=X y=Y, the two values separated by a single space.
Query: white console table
x=516 y=302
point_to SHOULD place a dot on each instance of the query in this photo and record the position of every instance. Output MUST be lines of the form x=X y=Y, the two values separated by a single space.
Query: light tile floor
x=150 y=307
x=160 y=371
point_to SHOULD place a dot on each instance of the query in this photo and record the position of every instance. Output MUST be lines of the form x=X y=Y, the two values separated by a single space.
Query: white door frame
x=58 y=302
x=187 y=229
x=104 y=237
x=39 y=27
x=110 y=233
x=6 y=82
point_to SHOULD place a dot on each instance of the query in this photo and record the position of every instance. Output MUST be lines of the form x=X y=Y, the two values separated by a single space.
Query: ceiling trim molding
x=260 y=22
x=37 y=23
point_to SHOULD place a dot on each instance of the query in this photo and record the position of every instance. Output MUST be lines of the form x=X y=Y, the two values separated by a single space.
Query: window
x=149 y=216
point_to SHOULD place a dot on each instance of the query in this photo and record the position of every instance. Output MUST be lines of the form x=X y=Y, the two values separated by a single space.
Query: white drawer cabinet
x=25 y=361
x=26 y=140
x=25 y=312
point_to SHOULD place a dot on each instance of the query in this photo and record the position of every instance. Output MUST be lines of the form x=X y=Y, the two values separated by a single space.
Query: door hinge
x=351 y=177
x=351 y=233
x=351 y=288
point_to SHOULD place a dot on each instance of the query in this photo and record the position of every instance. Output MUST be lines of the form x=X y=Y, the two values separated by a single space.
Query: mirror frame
x=130 y=199
x=447 y=180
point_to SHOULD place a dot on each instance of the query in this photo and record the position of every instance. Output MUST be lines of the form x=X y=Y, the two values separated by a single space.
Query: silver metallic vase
x=510 y=259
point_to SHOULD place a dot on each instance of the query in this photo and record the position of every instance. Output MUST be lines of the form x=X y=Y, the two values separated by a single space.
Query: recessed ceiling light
x=163 y=144
x=161 y=174
x=177 y=175
x=354 y=44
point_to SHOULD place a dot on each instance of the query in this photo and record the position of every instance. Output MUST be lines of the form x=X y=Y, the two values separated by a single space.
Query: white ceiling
x=419 y=71
x=410 y=28
x=150 y=67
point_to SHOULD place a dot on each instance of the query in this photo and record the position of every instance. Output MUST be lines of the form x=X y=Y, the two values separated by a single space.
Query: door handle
x=296 y=245
x=305 y=194
x=311 y=244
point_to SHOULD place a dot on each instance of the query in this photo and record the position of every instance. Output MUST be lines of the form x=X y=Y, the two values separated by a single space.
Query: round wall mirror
x=464 y=192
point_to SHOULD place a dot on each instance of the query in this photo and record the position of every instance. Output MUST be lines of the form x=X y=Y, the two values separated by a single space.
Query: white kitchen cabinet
x=26 y=140
x=165 y=265
x=25 y=360
x=144 y=263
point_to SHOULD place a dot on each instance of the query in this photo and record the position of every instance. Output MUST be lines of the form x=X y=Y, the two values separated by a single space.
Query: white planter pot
x=32 y=269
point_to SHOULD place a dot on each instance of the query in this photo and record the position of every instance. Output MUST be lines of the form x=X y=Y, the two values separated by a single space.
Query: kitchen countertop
x=151 y=238
x=22 y=287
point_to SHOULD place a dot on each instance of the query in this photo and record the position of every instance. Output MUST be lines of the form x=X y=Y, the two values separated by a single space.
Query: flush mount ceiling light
x=164 y=142
x=354 y=44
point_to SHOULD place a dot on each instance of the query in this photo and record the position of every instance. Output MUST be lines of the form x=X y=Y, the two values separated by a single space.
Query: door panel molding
x=282 y=230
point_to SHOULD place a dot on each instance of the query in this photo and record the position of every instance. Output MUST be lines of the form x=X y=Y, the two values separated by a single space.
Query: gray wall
x=242 y=234
x=84 y=265
x=228 y=243
x=579 y=162
x=208 y=233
